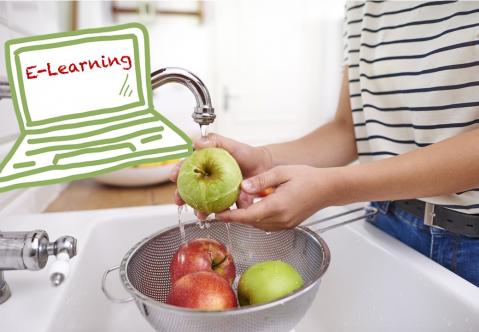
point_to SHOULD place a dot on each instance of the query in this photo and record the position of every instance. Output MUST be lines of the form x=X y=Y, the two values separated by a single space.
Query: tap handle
x=64 y=248
x=66 y=244
x=60 y=269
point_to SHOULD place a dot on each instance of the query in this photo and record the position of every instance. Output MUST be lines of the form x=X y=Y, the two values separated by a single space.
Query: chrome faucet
x=203 y=114
x=30 y=251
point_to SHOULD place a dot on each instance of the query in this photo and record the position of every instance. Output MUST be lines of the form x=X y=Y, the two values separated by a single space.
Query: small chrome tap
x=30 y=251
x=204 y=113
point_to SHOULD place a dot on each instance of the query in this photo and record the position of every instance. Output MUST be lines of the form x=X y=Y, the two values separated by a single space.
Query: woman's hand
x=252 y=161
x=300 y=192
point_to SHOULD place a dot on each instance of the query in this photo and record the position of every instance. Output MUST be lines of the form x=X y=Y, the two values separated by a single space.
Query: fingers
x=201 y=215
x=174 y=172
x=252 y=215
x=218 y=141
x=271 y=178
x=244 y=200
x=177 y=198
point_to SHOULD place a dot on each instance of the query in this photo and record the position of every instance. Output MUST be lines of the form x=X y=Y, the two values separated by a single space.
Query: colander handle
x=105 y=291
x=369 y=211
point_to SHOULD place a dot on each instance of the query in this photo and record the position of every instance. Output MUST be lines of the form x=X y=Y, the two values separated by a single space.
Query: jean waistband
x=437 y=216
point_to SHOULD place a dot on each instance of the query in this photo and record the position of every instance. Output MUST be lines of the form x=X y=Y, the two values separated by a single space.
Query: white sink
x=374 y=283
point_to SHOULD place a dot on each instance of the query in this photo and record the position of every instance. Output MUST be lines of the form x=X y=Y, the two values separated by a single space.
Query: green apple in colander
x=209 y=180
x=268 y=281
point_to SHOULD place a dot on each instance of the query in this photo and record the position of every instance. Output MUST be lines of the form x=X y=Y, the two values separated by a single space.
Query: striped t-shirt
x=413 y=78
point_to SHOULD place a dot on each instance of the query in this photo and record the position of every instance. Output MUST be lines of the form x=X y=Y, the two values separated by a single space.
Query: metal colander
x=144 y=272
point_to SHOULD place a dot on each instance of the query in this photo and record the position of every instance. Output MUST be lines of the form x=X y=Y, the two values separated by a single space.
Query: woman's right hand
x=252 y=161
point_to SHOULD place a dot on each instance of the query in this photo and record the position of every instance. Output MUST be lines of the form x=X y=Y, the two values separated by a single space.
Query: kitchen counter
x=91 y=195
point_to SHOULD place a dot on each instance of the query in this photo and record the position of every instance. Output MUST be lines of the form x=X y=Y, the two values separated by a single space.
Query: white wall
x=21 y=19
x=281 y=61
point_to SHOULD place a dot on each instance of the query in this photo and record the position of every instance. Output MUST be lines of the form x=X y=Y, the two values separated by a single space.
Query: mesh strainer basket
x=144 y=272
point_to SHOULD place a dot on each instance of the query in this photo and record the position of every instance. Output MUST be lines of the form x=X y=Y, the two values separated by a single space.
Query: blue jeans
x=458 y=253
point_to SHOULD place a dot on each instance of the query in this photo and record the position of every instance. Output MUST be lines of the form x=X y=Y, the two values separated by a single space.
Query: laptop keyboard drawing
x=85 y=110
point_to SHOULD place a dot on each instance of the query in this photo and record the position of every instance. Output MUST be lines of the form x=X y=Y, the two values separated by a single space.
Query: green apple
x=209 y=180
x=267 y=281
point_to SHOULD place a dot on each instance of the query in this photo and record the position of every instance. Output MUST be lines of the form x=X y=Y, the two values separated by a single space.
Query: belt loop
x=383 y=206
x=429 y=214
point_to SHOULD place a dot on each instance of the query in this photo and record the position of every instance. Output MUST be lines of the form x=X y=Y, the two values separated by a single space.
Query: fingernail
x=248 y=185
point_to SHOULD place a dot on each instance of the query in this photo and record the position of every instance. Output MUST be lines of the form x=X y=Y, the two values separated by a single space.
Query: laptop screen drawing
x=79 y=70
x=85 y=107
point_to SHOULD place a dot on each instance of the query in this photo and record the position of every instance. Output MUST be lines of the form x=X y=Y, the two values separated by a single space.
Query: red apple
x=203 y=255
x=204 y=291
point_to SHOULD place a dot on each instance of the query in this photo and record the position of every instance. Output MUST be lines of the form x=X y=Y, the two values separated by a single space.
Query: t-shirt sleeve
x=345 y=37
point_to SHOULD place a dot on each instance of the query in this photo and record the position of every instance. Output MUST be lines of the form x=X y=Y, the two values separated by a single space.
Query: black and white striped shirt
x=413 y=78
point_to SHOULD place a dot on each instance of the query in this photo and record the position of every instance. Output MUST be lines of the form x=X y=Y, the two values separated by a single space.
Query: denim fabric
x=458 y=253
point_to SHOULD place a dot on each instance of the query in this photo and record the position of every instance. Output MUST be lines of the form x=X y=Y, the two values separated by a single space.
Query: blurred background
x=273 y=67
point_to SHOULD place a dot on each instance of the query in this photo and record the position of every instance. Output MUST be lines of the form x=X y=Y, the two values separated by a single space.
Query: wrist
x=266 y=157
x=339 y=185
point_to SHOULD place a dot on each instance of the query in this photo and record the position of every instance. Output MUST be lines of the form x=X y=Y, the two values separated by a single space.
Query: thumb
x=212 y=141
x=271 y=178
x=217 y=141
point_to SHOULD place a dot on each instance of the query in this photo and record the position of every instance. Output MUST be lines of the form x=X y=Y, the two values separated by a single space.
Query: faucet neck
x=204 y=113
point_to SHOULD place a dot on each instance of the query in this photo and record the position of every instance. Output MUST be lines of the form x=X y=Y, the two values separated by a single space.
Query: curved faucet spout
x=204 y=113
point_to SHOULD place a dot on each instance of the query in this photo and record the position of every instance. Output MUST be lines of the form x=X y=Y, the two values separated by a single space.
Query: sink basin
x=374 y=282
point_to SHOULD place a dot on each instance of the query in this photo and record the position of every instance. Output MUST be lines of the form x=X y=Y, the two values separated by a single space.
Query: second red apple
x=202 y=255
x=203 y=291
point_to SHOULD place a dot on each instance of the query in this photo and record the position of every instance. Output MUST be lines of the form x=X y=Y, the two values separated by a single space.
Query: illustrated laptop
x=84 y=106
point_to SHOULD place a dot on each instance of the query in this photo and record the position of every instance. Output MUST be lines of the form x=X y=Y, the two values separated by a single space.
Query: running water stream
x=181 y=212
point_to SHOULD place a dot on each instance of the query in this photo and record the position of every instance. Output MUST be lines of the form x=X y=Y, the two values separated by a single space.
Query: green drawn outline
x=31 y=123
x=97 y=162
x=24 y=164
x=90 y=133
x=100 y=172
x=126 y=79
x=94 y=143
x=86 y=123
x=151 y=138
x=23 y=131
x=80 y=152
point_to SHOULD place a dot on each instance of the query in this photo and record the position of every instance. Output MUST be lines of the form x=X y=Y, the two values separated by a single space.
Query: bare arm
x=442 y=168
x=330 y=145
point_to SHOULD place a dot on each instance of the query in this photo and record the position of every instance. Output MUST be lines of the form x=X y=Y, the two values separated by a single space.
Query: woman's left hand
x=299 y=192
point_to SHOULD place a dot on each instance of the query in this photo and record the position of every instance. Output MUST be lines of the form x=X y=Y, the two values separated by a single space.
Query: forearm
x=446 y=167
x=330 y=145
